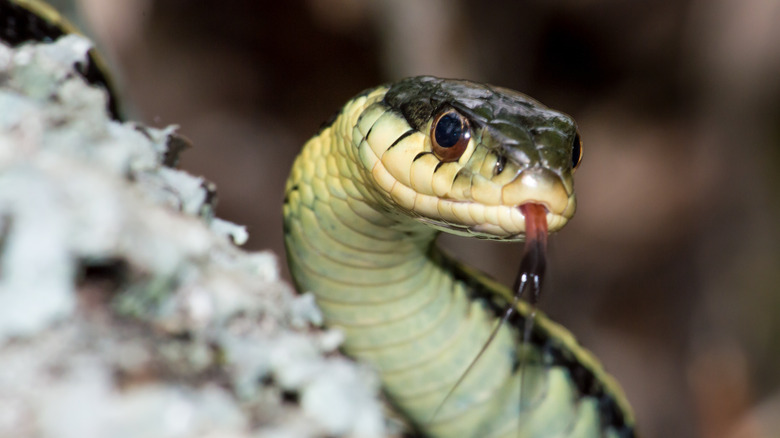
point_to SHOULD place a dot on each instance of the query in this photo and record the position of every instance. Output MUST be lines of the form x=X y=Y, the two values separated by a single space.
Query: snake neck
x=344 y=242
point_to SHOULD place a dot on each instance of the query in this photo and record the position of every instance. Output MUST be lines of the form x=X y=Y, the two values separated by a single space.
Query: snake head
x=463 y=156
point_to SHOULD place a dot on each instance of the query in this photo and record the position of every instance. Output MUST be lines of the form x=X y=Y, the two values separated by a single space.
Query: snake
x=365 y=200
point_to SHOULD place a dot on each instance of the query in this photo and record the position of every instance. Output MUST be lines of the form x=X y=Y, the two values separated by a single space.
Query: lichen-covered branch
x=126 y=310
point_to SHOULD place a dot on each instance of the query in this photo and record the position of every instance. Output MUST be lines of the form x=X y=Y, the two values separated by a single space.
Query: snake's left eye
x=450 y=135
x=576 y=152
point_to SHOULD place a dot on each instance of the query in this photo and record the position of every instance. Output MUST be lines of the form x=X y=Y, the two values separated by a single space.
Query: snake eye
x=450 y=135
x=576 y=152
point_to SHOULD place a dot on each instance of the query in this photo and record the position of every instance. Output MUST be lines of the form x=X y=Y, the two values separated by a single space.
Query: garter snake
x=364 y=202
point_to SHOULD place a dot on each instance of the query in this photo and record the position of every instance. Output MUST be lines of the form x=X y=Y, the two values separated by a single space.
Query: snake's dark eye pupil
x=448 y=130
x=576 y=152
x=450 y=135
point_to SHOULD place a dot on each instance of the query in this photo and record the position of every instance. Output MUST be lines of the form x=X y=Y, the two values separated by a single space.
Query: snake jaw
x=493 y=211
x=538 y=185
x=540 y=192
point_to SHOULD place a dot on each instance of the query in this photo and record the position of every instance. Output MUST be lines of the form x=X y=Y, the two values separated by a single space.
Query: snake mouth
x=537 y=185
x=521 y=221
x=541 y=195
x=537 y=198
x=484 y=209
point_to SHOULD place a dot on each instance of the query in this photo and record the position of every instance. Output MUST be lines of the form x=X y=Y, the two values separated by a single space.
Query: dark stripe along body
x=23 y=21
x=364 y=202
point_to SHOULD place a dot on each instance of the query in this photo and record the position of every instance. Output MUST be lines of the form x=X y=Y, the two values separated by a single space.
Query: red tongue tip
x=535 y=221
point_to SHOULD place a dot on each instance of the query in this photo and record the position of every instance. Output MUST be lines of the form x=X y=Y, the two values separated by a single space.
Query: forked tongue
x=534 y=261
x=531 y=274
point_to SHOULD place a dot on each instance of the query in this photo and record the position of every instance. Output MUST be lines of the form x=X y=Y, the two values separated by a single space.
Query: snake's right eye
x=450 y=135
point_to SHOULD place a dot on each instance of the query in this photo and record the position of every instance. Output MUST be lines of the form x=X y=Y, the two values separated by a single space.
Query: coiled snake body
x=364 y=202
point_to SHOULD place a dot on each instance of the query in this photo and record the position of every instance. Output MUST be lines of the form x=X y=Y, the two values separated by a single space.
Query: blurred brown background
x=670 y=271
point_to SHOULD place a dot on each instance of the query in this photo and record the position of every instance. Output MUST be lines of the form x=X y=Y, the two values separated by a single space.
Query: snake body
x=364 y=202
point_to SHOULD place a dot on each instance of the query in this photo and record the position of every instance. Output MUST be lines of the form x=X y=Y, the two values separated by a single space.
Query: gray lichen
x=126 y=310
